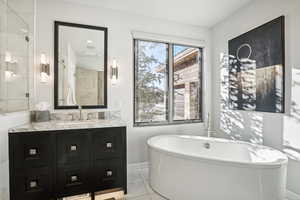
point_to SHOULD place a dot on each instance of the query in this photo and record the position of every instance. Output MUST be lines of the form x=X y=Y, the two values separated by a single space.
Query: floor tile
x=145 y=173
x=134 y=176
x=144 y=197
x=155 y=196
x=148 y=187
x=138 y=185
x=136 y=189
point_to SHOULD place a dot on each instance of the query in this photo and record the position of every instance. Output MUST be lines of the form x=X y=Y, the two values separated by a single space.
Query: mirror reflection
x=81 y=66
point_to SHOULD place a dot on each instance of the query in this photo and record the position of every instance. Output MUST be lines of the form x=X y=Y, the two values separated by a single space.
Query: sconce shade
x=8 y=58
x=114 y=72
x=11 y=65
x=43 y=59
x=114 y=65
x=45 y=67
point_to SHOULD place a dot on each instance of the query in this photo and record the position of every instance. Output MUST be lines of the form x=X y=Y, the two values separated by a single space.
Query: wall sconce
x=114 y=72
x=45 y=68
x=8 y=57
x=11 y=66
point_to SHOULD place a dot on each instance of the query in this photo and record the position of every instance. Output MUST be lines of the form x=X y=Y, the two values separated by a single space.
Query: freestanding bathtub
x=199 y=168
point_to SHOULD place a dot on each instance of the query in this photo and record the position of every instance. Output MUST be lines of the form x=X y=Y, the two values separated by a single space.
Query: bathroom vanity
x=57 y=159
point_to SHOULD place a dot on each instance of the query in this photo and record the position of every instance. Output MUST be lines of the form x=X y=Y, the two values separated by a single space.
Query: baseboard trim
x=292 y=196
x=135 y=166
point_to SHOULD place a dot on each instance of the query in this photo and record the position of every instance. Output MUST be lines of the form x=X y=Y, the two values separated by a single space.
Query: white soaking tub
x=199 y=168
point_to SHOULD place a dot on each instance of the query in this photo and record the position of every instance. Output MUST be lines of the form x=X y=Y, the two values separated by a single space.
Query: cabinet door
x=108 y=143
x=108 y=174
x=32 y=184
x=72 y=180
x=32 y=150
x=73 y=147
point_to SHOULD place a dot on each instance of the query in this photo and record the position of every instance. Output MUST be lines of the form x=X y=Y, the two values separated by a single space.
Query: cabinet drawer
x=72 y=148
x=32 y=150
x=72 y=180
x=33 y=184
x=108 y=143
x=108 y=174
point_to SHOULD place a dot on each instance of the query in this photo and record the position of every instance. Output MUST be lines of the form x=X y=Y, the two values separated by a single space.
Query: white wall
x=249 y=17
x=6 y=122
x=120 y=42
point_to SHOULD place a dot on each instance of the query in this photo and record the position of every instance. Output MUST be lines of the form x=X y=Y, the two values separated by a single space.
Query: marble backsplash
x=85 y=115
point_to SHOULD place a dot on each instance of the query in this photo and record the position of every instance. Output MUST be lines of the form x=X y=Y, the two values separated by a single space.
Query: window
x=151 y=82
x=167 y=82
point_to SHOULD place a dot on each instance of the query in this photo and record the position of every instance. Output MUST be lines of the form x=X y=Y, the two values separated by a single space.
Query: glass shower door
x=14 y=50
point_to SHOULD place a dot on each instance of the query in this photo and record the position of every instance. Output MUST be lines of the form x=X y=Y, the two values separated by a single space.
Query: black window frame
x=170 y=82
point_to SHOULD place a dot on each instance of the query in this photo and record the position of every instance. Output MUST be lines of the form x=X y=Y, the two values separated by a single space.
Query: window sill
x=153 y=124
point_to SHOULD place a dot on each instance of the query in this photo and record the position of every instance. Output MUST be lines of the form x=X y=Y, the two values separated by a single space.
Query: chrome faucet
x=208 y=128
x=208 y=133
x=80 y=112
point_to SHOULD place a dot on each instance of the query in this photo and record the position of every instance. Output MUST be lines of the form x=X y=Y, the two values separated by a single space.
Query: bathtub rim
x=269 y=165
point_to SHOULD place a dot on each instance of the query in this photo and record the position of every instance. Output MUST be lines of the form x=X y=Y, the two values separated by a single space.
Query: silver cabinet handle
x=33 y=184
x=109 y=145
x=73 y=148
x=109 y=173
x=74 y=178
x=32 y=152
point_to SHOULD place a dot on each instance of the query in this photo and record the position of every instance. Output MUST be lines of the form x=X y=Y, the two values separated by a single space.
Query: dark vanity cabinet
x=54 y=164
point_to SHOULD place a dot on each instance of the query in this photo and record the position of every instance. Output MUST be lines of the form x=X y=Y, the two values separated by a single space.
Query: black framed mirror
x=80 y=66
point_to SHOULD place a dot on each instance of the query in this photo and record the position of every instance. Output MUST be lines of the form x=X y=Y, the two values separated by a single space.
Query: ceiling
x=204 y=13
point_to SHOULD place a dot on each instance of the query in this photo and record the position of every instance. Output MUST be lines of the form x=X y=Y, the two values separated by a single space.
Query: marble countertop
x=66 y=125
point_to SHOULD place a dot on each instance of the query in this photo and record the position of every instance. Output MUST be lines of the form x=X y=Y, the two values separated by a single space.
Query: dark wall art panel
x=256 y=69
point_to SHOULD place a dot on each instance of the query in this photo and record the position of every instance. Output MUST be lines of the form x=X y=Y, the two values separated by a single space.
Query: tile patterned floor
x=138 y=184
